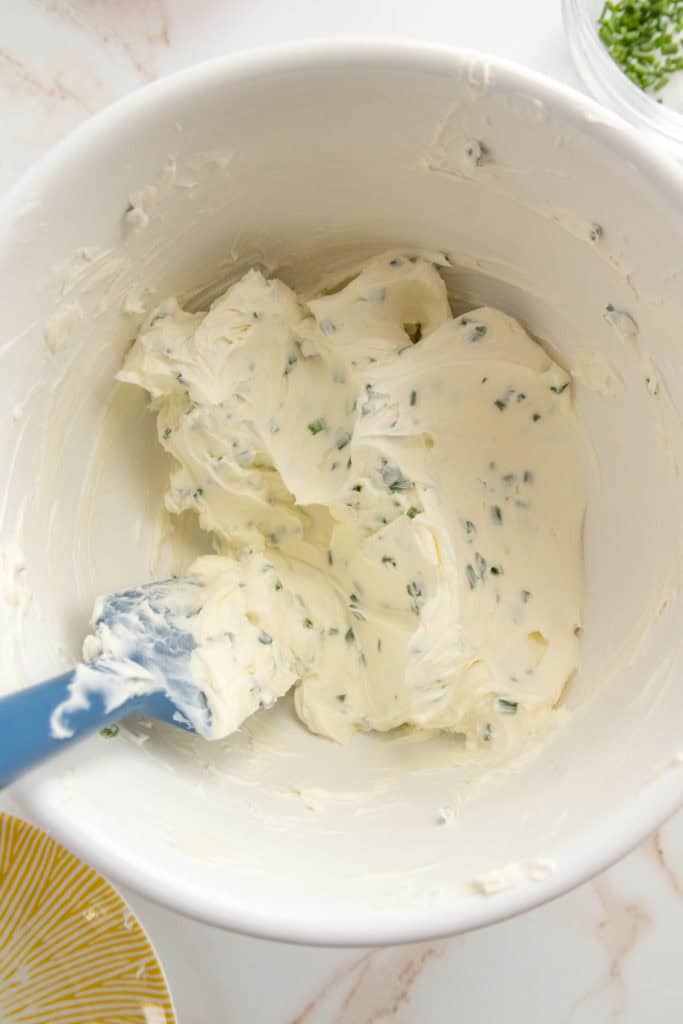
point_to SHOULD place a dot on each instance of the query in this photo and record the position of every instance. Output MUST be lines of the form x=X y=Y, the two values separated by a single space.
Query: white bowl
x=301 y=158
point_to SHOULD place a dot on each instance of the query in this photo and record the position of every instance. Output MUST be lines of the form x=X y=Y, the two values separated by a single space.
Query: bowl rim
x=583 y=857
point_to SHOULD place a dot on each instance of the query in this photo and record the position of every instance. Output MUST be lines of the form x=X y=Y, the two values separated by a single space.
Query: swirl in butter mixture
x=396 y=497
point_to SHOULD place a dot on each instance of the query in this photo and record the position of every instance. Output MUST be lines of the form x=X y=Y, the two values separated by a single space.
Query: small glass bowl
x=608 y=83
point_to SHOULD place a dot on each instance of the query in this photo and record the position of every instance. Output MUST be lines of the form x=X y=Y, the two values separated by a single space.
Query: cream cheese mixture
x=396 y=498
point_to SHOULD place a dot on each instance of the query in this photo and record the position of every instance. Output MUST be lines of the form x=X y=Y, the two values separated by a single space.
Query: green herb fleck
x=414 y=593
x=496 y=570
x=330 y=558
x=496 y=514
x=349 y=636
x=308 y=623
x=357 y=488
x=197 y=493
x=388 y=560
x=414 y=332
x=413 y=397
x=507 y=707
x=278 y=585
x=412 y=512
x=471 y=576
x=536 y=417
x=316 y=426
x=558 y=390
x=526 y=596
x=480 y=563
x=500 y=404
x=341 y=697
x=292 y=360
x=264 y=638
x=109 y=731
x=478 y=333
x=342 y=438
x=166 y=433
x=528 y=477
x=470 y=528
x=595 y=232
x=394 y=479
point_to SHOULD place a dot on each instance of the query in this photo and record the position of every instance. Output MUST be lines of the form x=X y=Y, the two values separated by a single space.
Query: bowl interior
x=302 y=162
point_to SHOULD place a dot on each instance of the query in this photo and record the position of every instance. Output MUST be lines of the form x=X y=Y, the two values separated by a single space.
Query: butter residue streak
x=59 y=327
x=596 y=373
x=499 y=879
x=394 y=495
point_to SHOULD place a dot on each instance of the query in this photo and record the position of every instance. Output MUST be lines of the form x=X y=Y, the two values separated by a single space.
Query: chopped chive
x=308 y=623
x=278 y=585
x=496 y=514
x=341 y=697
x=536 y=417
x=414 y=591
x=292 y=360
x=413 y=397
x=349 y=636
x=471 y=576
x=264 y=638
x=414 y=332
x=330 y=558
x=558 y=390
x=109 y=731
x=412 y=512
x=316 y=426
x=643 y=37
x=496 y=570
x=507 y=707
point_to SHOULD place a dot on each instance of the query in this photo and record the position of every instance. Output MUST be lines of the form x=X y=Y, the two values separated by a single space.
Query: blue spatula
x=138 y=662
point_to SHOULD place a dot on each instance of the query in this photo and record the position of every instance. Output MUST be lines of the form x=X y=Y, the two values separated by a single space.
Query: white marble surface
x=608 y=951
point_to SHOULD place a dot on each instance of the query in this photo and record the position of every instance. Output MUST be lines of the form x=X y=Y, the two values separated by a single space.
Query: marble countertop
x=610 y=950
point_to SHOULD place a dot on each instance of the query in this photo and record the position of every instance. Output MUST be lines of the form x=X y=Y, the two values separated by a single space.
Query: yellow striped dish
x=71 y=951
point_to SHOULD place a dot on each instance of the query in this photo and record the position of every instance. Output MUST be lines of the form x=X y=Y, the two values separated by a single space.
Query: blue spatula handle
x=25 y=735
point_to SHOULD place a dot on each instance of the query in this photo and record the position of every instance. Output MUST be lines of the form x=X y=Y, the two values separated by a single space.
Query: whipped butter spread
x=396 y=499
